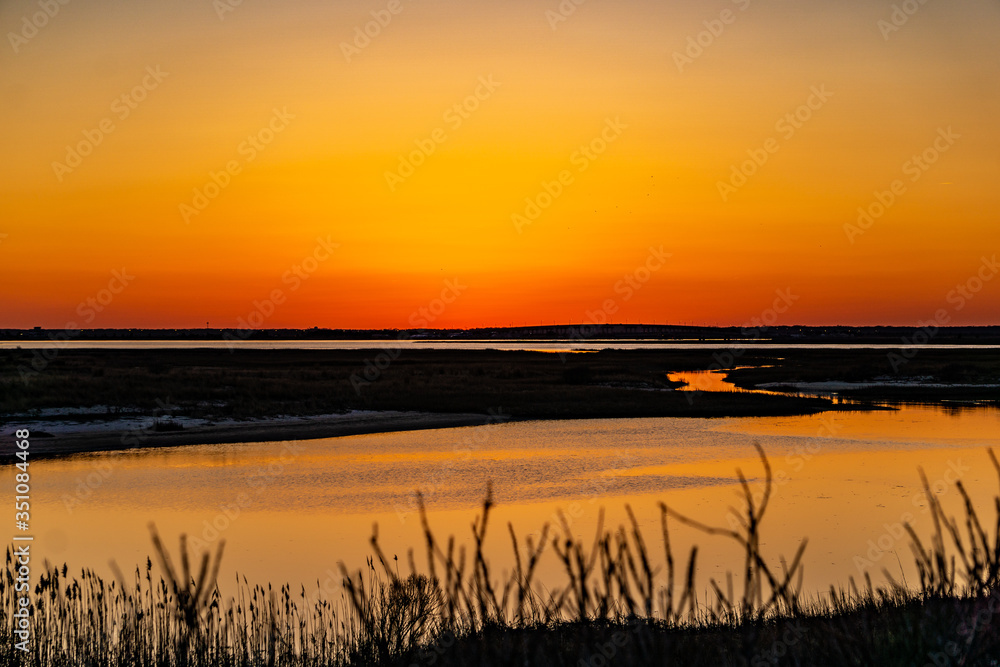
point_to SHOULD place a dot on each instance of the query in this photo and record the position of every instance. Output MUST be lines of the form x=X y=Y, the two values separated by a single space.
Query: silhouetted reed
x=615 y=598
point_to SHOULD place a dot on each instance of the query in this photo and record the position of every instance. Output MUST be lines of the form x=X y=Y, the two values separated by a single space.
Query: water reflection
x=290 y=511
x=713 y=381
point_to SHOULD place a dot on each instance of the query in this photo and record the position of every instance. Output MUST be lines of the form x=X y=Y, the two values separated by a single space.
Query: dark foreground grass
x=614 y=606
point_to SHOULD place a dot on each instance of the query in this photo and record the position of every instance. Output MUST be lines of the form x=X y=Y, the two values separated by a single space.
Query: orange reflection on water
x=290 y=511
x=922 y=425
x=711 y=381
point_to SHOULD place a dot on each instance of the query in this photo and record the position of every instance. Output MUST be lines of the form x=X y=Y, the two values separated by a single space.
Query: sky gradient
x=264 y=157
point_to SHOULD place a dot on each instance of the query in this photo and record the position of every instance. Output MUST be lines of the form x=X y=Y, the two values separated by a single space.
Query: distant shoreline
x=556 y=333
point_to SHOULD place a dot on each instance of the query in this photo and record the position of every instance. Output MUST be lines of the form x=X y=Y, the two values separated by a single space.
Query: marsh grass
x=249 y=384
x=614 y=605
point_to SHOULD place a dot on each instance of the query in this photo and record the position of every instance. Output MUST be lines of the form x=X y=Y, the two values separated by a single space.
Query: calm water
x=290 y=511
x=540 y=345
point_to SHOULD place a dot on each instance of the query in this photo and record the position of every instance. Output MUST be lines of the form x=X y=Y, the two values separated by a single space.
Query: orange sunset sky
x=218 y=154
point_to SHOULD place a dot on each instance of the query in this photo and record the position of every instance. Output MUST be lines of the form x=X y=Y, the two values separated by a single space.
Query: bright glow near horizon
x=248 y=160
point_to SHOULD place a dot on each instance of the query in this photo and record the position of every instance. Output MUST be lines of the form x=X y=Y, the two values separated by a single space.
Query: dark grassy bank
x=261 y=383
x=615 y=606
x=939 y=366
x=610 y=383
x=435 y=389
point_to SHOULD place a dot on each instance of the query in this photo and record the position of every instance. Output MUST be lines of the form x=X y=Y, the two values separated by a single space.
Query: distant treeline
x=565 y=332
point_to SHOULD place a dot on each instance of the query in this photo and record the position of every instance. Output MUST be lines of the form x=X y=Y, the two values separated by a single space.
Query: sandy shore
x=56 y=438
